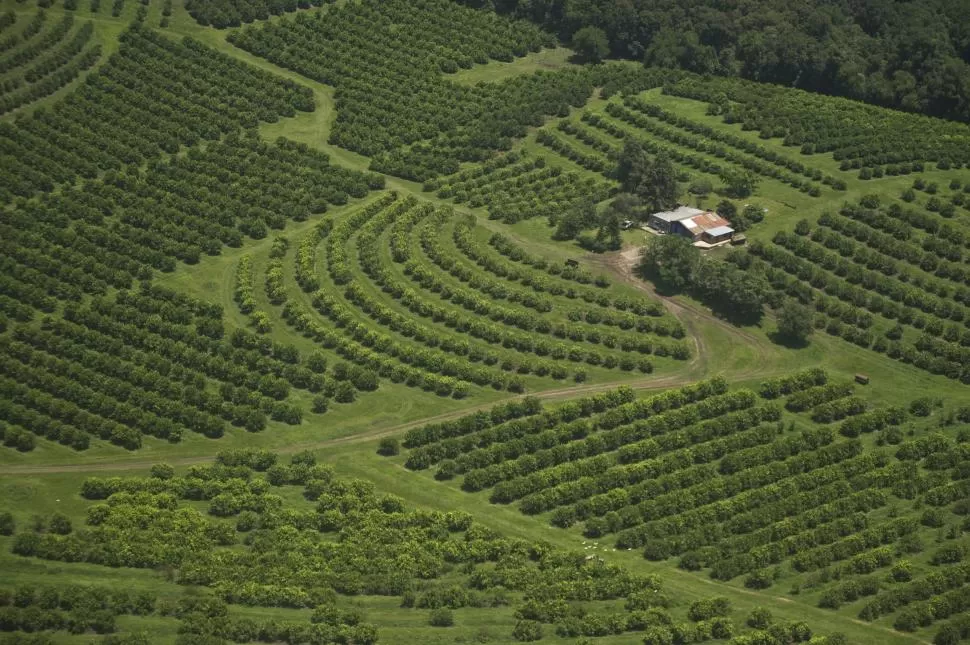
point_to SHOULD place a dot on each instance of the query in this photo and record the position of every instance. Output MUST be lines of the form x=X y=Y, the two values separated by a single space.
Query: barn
x=663 y=222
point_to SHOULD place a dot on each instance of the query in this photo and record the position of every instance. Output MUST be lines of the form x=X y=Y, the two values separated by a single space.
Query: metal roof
x=718 y=231
x=679 y=213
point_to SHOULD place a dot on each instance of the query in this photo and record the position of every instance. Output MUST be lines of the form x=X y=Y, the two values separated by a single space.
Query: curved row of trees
x=44 y=62
x=409 y=229
x=848 y=129
x=20 y=57
x=197 y=204
x=451 y=348
x=152 y=96
x=523 y=189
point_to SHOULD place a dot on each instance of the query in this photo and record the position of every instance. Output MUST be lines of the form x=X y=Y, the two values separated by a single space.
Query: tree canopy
x=914 y=54
x=676 y=264
x=795 y=323
x=591 y=43
x=652 y=180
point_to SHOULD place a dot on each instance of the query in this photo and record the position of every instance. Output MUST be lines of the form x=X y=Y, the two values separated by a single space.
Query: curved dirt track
x=622 y=264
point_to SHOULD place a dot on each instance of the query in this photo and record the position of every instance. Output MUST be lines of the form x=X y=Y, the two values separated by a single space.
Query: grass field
x=47 y=479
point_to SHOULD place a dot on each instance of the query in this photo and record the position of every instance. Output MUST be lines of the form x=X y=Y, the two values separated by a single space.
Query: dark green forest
x=912 y=55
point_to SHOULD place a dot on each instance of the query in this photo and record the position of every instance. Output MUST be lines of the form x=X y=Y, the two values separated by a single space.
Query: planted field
x=388 y=62
x=153 y=96
x=332 y=327
x=514 y=188
x=879 y=281
x=576 y=163
x=231 y=13
x=143 y=354
x=405 y=288
x=37 y=62
x=239 y=525
x=802 y=484
x=860 y=136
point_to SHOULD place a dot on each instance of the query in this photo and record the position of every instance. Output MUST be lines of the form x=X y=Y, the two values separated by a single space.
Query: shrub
x=441 y=617
x=389 y=447
x=7 y=523
x=921 y=407
x=902 y=571
x=447 y=470
x=162 y=471
x=709 y=608
x=527 y=631
x=345 y=392
x=759 y=618
x=760 y=579
x=60 y=524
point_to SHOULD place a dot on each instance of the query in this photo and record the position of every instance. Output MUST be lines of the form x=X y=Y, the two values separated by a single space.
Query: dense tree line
x=791 y=383
x=306 y=256
x=910 y=55
x=244 y=293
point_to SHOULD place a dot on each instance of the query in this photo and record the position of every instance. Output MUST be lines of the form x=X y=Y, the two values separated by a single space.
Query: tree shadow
x=662 y=287
x=785 y=340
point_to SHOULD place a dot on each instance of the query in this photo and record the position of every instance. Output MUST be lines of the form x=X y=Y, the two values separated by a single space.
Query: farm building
x=718 y=234
x=705 y=227
x=663 y=222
